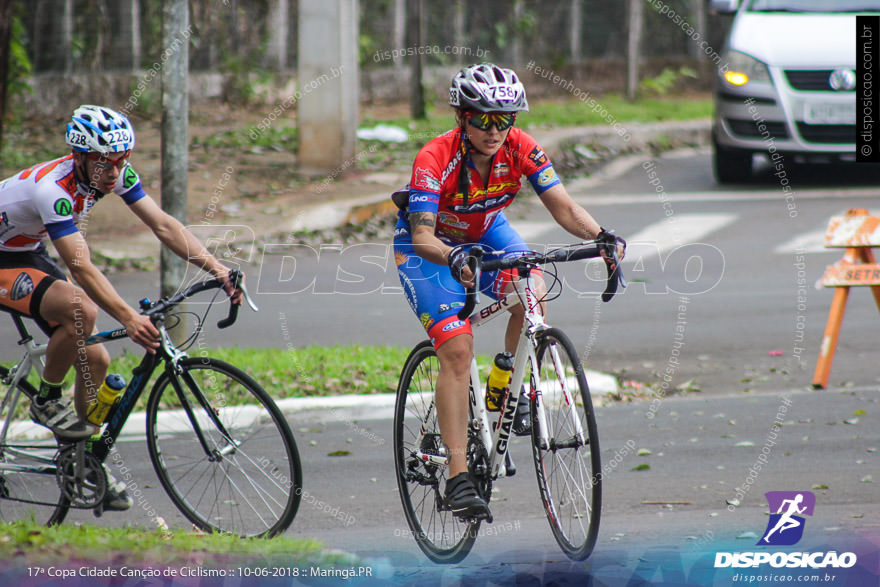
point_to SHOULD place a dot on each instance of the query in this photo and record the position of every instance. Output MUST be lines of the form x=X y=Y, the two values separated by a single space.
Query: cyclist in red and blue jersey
x=461 y=183
x=50 y=200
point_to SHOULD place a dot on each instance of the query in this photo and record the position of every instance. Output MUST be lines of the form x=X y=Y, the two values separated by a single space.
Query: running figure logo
x=786 y=526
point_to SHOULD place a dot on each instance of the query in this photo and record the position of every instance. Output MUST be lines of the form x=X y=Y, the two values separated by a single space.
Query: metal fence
x=229 y=36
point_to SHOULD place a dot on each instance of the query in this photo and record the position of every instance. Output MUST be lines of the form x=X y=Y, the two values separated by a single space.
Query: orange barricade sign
x=857 y=232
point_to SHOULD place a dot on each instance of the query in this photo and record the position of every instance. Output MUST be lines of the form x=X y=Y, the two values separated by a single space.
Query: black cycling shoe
x=463 y=500
x=522 y=419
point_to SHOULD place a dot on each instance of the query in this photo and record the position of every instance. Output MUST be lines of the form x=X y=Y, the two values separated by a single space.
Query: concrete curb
x=339 y=408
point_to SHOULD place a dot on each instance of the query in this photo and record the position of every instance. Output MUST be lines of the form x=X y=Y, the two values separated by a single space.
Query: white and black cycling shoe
x=58 y=416
x=464 y=501
x=116 y=498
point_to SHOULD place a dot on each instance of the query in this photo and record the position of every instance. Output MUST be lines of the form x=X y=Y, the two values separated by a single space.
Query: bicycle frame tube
x=32 y=359
x=140 y=375
x=533 y=322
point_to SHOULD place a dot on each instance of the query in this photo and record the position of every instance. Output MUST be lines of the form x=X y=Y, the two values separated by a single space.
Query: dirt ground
x=232 y=182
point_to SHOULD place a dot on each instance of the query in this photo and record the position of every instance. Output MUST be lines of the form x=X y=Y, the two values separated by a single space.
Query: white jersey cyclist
x=48 y=200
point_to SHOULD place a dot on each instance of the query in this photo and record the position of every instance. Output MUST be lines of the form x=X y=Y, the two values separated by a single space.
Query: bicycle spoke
x=233 y=469
x=440 y=535
x=28 y=485
x=565 y=467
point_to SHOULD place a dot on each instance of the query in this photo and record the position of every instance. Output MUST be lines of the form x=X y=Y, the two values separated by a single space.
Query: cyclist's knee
x=98 y=357
x=68 y=305
x=456 y=353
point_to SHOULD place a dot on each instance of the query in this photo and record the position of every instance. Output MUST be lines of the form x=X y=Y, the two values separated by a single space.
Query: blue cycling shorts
x=434 y=295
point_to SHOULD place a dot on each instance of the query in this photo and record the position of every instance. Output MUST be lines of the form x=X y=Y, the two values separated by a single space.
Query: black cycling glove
x=457 y=260
x=608 y=237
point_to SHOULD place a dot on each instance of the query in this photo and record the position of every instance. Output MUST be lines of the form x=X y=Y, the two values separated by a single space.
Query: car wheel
x=731 y=165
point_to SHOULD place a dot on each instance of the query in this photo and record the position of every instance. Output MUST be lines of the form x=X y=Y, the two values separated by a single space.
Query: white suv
x=786 y=84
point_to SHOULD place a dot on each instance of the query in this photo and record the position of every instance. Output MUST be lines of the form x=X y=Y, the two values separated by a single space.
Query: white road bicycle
x=565 y=441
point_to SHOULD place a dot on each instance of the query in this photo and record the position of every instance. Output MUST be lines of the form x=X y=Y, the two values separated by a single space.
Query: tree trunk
x=128 y=43
x=635 y=18
x=277 y=24
x=66 y=41
x=6 y=10
x=175 y=139
x=399 y=32
x=459 y=30
x=699 y=15
x=417 y=90
x=576 y=26
x=516 y=42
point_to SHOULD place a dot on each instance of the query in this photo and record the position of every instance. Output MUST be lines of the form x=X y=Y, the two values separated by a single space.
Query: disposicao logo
x=785 y=528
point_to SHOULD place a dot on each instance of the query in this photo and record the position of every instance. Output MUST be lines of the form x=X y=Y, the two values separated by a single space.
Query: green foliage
x=668 y=79
x=19 y=63
x=367 y=47
x=242 y=79
x=278 y=137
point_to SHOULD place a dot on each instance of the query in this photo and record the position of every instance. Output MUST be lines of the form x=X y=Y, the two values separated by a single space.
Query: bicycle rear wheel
x=439 y=534
x=223 y=450
x=568 y=466
x=28 y=485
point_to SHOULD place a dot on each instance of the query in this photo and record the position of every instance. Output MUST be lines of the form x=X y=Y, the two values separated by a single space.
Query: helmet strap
x=464 y=176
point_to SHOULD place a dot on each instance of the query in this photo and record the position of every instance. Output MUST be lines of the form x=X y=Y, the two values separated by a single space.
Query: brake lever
x=247 y=298
x=235 y=277
x=615 y=277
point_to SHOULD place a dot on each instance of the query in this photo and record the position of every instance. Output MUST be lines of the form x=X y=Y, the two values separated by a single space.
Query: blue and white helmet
x=488 y=88
x=99 y=130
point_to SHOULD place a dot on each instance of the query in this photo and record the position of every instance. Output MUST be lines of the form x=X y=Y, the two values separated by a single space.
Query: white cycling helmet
x=99 y=130
x=488 y=88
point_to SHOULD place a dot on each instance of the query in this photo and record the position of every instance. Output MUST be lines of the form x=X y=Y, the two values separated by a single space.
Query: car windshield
x=814 y=6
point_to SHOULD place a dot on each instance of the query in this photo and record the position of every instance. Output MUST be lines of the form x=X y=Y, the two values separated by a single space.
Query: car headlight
x=742 y=69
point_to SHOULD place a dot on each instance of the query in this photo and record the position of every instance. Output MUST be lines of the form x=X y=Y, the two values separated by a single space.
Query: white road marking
x=676 y=230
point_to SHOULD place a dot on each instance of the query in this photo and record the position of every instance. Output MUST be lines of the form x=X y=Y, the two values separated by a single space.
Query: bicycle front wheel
x=28 y=484
x=223 y=450
x=567 y=464
x=421 y=483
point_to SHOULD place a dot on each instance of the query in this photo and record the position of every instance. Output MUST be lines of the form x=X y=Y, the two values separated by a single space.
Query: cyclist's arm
x=569 y=214
x=179 y=239
x=74 y=251
x=425 y=242
x=428 y=246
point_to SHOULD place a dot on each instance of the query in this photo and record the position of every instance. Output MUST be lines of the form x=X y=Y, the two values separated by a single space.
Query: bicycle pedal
x=509 y=467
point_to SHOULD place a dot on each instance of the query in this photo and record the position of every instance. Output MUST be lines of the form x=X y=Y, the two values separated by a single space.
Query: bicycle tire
x=250 y=487
x=30 y=491
x=567 y=469
x=439 y=534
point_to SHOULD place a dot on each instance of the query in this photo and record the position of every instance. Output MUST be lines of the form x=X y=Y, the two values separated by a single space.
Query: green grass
x=307 y=371
x=294 y=372
x=550 y=113
x=542 y=114
x=30 y=543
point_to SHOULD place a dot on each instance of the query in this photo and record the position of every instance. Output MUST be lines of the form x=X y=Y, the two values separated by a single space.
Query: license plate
x=830 y=113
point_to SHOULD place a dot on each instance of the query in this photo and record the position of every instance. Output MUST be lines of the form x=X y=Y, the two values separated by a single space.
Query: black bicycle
x=222 y=449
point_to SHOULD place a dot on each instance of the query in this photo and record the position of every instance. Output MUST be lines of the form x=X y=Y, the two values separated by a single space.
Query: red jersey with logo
x=434 y=183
